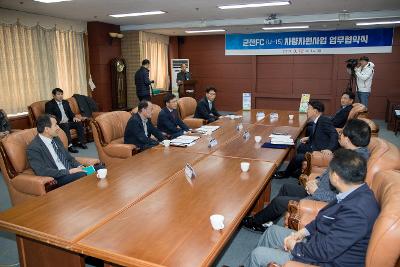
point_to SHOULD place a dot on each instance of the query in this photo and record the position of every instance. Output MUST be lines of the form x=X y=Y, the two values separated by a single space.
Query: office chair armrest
x=32 y=184
x=120 y=150
x=87 y=161
x=303 y=212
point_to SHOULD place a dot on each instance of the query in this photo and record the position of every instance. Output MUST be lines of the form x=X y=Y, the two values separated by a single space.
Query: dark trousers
x=73 y=125
x=63 y=180
x=279 y=204
x=144 y=97
x=293 y=169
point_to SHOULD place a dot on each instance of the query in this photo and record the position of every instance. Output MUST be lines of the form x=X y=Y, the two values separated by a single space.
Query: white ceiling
x=191 y=14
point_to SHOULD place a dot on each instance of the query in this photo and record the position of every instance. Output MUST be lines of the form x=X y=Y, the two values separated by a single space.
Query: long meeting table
x=146 y=212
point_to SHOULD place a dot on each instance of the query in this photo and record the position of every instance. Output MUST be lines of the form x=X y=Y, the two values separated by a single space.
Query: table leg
x=33 y=253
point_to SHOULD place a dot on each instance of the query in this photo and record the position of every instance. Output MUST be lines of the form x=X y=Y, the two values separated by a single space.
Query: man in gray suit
x=47 y=155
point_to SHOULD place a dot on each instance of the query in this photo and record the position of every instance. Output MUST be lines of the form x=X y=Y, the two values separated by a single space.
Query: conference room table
x=147 y=212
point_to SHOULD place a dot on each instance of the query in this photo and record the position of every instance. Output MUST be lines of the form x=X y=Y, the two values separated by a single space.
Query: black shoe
x=71 y=149
x=84 y=146
x=279 y=175
x=250 y=224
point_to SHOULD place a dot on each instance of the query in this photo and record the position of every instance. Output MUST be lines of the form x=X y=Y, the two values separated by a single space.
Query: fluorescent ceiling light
x=51 y=1
x=277 y=3
x=285 y=27
x=377 y=23
x=200 y=31
x=158 y=12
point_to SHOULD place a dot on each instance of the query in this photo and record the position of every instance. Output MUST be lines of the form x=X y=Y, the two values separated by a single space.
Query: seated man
x=168 y=119
x=355 y=136
x=206 y=107
x=139 y=129
x=323 y=137
x=340 y=233
x=47 y=155
x=66 y=119
x=346 y=101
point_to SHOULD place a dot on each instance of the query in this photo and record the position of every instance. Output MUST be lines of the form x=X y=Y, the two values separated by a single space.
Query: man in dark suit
x=168 y=119
x=183 y=75
x=139 y=129
x=47 y=155
x=206 y=107
x=142 y=81
x=356 y=135
x=66 y=119
x=346 y=101
x=323 y=137
x=340 y=233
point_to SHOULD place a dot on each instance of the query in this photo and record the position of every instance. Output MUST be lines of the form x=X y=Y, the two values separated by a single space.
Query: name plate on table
x=213 y=142
x=239 y=127
x=189 y=173
x=246 y=135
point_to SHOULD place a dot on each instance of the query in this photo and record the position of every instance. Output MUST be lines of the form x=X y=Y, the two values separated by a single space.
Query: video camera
x=351 y=63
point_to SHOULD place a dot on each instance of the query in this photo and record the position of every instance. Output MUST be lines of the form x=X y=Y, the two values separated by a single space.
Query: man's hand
x=304 y=140
x=75 y=170
x=187 y=132
x=76 y=119
x=290 y=241
x=311 y=186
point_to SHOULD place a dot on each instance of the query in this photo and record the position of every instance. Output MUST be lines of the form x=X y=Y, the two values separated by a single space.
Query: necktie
x=313 y=130
x=61 y=155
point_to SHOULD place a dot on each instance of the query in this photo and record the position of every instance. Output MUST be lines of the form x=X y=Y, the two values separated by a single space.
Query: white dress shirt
x=64 y=118
x=47 y=142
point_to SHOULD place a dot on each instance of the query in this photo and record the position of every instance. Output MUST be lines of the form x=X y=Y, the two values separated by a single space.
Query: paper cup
x=245 y=166
x=257 y=138
x=291 y=117
x=101 y=173
x=217 y=221
x=166 y=142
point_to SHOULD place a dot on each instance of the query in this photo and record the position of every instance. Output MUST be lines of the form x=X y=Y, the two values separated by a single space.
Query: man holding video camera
x=364 y=73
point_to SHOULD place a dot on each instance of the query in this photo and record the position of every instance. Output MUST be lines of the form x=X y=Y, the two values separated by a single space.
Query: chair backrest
x=186 y=106
x=74 y=105
x=154 y=115
x=35 y=110
x=383 y=156
x=384 y=245
x=112 y=125
x=13 y=148
x=357 y=109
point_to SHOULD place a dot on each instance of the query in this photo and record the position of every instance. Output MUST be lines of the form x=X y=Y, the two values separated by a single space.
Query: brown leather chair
x=35 y=110
x=154 y=115
x=21 y=181
x=358 y=111
x=383 y=156
x=108 y=132
x=186 y=108
x=384 y=245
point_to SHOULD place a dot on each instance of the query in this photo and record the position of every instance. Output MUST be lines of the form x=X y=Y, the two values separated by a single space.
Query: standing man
x=47 y=155
x=139 y=129
x=168 y=119
x=66 y=119
x=142 y=81
x=206 y=107
x=364 y=73
x=183 y=75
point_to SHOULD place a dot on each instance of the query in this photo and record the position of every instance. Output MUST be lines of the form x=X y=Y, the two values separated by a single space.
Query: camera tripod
x=352 y=83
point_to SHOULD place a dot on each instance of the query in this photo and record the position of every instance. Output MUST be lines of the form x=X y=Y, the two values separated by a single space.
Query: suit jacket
x=182 y=76
x=340 y=118
x=142 y=82
x=340 y=233
x=325 y=135
x=52 y=108
x=86 y=105
x=168 y=123
x=42 y=162
x=134 y=133
x=203 y=111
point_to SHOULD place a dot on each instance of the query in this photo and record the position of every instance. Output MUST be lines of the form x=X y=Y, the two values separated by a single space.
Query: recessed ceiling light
x=148 y=13
x=377 y=23
x=200 y=31
x=286 y=27
x=277 y=3
x=51 y=1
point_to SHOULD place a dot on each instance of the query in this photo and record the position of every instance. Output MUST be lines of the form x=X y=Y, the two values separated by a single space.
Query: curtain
x=34 y=60
x=154 y=47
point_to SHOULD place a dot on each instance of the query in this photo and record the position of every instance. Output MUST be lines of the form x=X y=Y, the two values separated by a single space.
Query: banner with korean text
x=311 y=42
